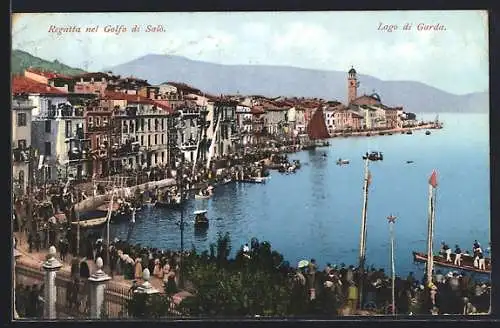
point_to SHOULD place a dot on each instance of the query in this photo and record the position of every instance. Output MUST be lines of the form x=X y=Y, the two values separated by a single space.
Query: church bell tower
x=352 y=85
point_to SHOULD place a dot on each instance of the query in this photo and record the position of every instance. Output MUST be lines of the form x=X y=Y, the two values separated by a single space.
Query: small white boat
x=342 y=161
x=227 y=180
x=91 y=223
x=198 y=196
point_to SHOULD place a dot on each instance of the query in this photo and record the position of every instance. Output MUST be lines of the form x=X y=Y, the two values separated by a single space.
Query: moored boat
x=91 y=223
x=466 y=265
x=174 y=202
x=409 y=132
x=427 y=132
x=254 y=180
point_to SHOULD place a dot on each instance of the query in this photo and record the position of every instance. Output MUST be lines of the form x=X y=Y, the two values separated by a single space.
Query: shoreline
x=372 y=133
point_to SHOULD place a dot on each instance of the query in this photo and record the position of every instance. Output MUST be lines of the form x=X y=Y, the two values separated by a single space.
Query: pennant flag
x=369 y=179
x=433 y=179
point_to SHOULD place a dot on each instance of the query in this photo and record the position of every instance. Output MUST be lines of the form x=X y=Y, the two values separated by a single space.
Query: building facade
x=21 y=142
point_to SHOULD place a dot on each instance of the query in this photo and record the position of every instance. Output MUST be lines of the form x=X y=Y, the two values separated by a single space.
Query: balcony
x=247 y=121
x=79 y=155
x=190 y=112
x=100 y=128
x=187 y=146
x=62 y=111
x=21 y=154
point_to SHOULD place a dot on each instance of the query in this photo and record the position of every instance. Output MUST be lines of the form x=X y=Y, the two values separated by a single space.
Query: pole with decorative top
x=51 y=266
x=97 y=284
x=392 y=219
x=146 y=287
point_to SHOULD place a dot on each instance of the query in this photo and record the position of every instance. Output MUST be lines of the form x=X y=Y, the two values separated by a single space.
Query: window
x=68 y=129
x=21 y=119
x=162 y=122
x=49 y=173
x=47 y=148
x=47 y=126
x=149 y=140
x=21 y=144
x=156 y=139
x=149 y=124
x=21 y=179
x=142 y=140
x=162 y=140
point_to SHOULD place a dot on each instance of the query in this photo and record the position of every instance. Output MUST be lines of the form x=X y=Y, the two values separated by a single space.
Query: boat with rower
x=341 y=161
x=200 y=219
x=467 y=262
x=374 y=156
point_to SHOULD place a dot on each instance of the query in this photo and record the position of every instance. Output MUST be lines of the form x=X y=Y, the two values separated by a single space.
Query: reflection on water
x=316 y=212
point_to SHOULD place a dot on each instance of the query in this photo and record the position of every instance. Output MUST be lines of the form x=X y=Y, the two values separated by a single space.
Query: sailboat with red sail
x=316 y=131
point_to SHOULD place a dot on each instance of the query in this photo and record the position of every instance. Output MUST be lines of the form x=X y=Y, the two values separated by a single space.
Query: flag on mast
x=433 y=179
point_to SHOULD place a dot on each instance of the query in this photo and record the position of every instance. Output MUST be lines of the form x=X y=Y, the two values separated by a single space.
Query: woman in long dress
x=158 y=270
x=138 y=269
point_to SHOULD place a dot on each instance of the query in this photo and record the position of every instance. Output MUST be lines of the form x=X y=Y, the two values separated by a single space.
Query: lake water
x=316 y=212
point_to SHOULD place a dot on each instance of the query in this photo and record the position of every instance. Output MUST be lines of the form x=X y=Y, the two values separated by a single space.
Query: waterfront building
x=258 y=128
x=391 y=117
x=102 y=131
x=275 y=118
x=57 y=128
x=21 y=141
x=223 y=136
x=244 y=123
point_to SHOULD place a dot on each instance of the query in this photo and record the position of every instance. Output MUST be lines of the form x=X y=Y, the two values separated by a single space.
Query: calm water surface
x=317 y=211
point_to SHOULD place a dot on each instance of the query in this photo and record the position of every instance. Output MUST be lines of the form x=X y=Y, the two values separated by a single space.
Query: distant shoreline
x=370 y=133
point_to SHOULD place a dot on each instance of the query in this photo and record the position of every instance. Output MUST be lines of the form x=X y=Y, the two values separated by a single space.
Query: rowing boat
x=91 y=223
x=466 y=265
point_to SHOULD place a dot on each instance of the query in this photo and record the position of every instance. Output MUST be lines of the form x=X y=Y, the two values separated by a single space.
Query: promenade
x=34 y=260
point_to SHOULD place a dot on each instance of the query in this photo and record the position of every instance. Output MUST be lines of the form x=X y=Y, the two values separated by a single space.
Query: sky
x=453 y=60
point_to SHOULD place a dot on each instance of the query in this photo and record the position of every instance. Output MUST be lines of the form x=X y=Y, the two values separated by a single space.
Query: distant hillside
x=21 y=60
x=291 y=81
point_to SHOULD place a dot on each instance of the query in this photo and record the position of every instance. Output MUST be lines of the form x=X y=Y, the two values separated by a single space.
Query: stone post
x=51 y=266
x=16 y=256
x=146 y=287
x=97 y=286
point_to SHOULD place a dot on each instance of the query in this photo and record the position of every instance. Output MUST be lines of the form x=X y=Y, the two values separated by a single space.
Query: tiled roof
x=22 y=84
x=49 y=75
x=162 y=104
x=113 y=95
x=136 y=99
x=257 y=110
x=95 y=75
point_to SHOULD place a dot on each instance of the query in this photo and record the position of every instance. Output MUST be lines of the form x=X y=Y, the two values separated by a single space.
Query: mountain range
x=273 y=81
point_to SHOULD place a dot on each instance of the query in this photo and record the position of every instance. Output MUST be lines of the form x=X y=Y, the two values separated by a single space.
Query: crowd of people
x=29 y=300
